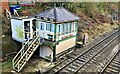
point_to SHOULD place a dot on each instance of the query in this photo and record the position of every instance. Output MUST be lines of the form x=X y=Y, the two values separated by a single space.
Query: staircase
x=25 y=53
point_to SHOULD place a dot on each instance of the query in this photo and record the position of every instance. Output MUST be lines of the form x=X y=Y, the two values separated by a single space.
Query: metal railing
x=23 y=51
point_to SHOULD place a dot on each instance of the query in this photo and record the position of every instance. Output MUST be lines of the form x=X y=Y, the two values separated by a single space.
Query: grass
x=7 y=65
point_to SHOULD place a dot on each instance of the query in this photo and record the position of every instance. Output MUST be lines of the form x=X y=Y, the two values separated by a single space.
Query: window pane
x=42 y=26
x=72 y=26
x=58 y=28
x=48 y=26
x=63 y=28
x=52 y=27
x=69 y=27
x=76 y=25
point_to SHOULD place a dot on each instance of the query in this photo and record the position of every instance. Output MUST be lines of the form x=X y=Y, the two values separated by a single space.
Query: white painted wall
x=17 y=27
x=45 y=51
x=66 y=44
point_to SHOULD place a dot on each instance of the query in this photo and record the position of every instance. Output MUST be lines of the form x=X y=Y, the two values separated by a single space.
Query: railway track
x=101 y=59
x=113 y=65
x=76 y=60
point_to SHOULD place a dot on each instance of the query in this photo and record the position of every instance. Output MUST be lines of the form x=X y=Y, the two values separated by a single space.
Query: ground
x=36 y=63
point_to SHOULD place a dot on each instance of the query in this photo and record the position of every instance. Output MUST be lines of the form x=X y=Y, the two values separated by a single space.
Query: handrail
x=64 y=33
x=28 y=49
x=21 y=50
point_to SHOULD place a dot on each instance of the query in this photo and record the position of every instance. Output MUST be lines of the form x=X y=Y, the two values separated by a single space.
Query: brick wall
x=5 y=5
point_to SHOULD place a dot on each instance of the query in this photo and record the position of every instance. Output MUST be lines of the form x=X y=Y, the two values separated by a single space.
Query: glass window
x=52 y=27
x=65 y=28
x=69 y=27
x=73 y=26
x=48 y=26
x=42 y=26
x=62 y=28
x=58 y=28
x=76 y=25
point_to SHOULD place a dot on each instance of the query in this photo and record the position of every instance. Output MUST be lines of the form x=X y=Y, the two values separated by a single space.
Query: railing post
x=18 y=67
x=21 y=53
x=26 y=56
x=13 y=64
x=43 y=36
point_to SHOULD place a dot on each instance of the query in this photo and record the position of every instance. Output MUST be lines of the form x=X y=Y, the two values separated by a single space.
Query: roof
x=60 y=14
x=23 y=17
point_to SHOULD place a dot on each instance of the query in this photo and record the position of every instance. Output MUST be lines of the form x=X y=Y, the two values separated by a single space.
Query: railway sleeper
x=116 y=60
x=73 y=66
x=81 y=59
x=111 y=70
x=79 y=62
x=56 y=69
x=70 y=70
x=107 y=72
x=115 y=64
x=115 y=68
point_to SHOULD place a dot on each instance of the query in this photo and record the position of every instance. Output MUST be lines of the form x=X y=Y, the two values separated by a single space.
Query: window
x=66 y=28
x=76 y=25
x=69 y=27
x=42 y=26
x=58 y=28
x=62 y=28
x=72 y=26
x=50 y=27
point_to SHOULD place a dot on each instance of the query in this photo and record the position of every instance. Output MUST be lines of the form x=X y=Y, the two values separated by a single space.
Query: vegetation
x=92 y=14
x=95 y=19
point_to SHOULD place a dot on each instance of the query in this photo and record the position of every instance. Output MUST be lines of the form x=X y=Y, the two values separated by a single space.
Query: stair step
x=29 y=51
x=20 y=60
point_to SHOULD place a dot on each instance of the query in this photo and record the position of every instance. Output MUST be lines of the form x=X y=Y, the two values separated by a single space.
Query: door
x=34 y=26
x=27 y=29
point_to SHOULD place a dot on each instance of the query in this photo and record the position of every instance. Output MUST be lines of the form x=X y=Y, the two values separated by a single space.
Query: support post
x=54 y=53
x=76 y=34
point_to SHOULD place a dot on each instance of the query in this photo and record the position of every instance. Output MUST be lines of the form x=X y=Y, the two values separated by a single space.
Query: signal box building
x=58 y=27
x=52 y=32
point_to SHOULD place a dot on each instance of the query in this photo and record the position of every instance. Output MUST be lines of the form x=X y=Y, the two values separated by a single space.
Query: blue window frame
x=58 y=28
x=50 y=27
x=42 y=26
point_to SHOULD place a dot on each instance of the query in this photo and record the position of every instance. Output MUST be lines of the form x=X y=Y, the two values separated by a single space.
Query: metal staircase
x=25 y=53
